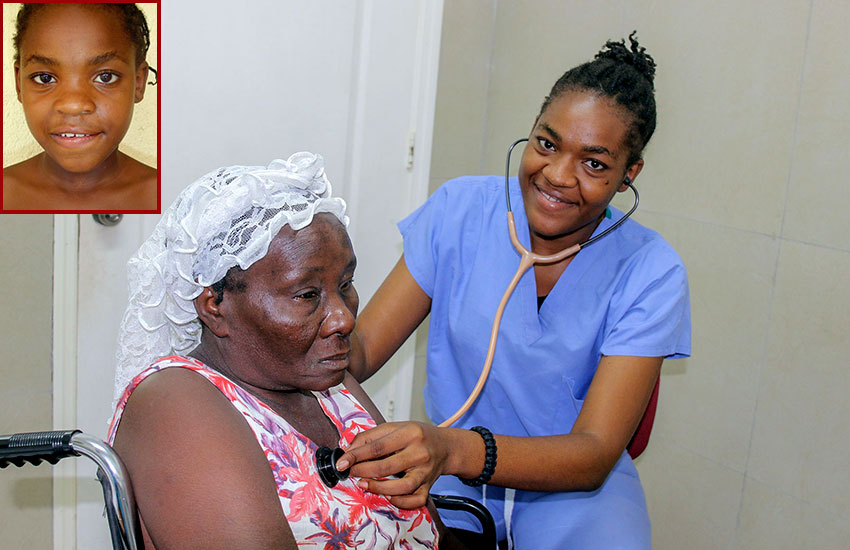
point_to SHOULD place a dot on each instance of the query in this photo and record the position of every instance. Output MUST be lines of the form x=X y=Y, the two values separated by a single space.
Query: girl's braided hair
x=135 y=25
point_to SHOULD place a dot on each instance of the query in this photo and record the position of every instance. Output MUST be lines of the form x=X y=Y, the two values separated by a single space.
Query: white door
x=243 y=84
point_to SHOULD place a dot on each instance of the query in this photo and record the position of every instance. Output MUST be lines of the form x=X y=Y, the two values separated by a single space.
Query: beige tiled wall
x=26 y=302
x=746 y=177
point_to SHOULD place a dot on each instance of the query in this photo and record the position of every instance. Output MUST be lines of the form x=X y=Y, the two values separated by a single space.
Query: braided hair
x=231 y=282
x=626 y=75
x=135 y=25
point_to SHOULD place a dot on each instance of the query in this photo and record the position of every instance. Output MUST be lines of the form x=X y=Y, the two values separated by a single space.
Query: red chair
x=641 y=437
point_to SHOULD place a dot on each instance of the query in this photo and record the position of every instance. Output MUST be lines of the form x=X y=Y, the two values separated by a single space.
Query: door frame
x=66 y=269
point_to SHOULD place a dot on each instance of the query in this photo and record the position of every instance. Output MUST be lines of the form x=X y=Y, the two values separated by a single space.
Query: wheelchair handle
x=121 y=513
x=34 y=447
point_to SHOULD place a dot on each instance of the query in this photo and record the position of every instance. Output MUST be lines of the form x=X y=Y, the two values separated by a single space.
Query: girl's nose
x=73 y=100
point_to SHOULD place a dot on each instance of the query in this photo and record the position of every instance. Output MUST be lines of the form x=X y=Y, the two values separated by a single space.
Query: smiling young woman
x=581 y=342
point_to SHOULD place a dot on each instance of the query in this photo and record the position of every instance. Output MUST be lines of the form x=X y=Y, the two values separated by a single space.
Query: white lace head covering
x=226 y=218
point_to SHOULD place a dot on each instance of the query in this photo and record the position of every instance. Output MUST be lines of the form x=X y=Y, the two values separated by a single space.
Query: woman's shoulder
x=173 y=381
x=472 y=188
x=467 y=200
x=636 y=240
x=177 y=385
x=645 y=260
x=180 y=439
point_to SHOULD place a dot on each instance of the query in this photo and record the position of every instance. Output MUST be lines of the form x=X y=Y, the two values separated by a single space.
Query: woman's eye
x=546 y=144
x=308 y=295
x=595 y=165
x=347 y=285
x=43 y=78
x=107 y=78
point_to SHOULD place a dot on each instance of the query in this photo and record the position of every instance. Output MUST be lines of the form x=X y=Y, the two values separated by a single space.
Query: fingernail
x=342 y=465
x=363 y=484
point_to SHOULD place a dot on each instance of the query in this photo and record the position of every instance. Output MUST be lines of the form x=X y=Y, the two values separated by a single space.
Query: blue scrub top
x=626 y=294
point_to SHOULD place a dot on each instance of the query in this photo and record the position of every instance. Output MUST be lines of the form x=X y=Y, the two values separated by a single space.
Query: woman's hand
x=420 y=452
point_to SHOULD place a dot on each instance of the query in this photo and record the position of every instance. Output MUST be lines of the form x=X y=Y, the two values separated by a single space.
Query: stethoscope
x=326 y=459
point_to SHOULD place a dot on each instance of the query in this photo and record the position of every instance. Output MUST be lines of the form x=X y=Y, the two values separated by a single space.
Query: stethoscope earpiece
x=326 y=460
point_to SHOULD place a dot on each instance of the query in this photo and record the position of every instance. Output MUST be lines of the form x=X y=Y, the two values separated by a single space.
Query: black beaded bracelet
x=489 y=458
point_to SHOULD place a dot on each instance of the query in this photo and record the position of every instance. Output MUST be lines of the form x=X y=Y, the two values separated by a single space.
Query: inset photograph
x=80 y=108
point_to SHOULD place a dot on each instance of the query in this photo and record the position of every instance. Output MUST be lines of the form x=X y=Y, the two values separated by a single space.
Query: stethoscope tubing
x=527 y=259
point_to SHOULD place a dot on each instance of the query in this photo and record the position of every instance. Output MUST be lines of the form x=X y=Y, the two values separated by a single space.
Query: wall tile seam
x=695 y=453
x=795 y=133
x=485 y=129
x=782 y=242
x=765 y=339
x=825 y=511
x=700 y=221
x=819 y=246
x=773 y=237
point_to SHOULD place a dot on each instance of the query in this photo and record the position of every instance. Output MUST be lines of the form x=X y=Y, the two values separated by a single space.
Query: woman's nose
x=340 y=317
x=73 y=99
x=560 y=173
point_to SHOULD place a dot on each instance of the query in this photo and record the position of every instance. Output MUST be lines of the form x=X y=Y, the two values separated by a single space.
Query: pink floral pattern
x=325 y=518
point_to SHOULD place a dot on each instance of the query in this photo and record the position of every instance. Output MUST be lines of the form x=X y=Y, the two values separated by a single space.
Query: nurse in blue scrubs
x=581 y=343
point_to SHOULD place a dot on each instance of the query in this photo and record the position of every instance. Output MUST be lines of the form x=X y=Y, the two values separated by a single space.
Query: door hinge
x=411 y=148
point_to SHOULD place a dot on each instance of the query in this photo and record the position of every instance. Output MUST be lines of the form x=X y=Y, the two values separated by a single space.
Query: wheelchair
x=121 y=514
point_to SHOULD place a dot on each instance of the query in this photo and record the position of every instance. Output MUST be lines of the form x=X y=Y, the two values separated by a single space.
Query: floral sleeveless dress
x=325 y=518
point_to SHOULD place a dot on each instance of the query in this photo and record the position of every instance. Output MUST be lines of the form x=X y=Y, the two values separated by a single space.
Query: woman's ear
x=632 y=174
x=209 y=312
x=141 y=80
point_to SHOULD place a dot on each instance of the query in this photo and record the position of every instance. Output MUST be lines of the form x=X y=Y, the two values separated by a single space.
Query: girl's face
x=78 y=81
x=572 y=166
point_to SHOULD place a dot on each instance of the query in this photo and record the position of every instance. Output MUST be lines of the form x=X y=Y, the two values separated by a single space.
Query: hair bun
x=635 y=56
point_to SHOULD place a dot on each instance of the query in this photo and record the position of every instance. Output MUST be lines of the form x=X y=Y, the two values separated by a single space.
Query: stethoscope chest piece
x=326 y=460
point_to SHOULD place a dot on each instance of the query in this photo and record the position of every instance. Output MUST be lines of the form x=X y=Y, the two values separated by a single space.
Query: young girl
x=79 y=70
x=581 y=343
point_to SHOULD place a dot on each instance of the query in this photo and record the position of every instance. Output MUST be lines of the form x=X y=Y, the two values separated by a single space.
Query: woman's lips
x=74 y=139
x=551 y=201
x=337 y=362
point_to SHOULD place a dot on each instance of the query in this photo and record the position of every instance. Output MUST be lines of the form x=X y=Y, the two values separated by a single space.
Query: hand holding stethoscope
x=326 y=458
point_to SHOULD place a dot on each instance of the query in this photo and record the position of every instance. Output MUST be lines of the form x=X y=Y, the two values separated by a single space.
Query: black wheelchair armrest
x=485 y=539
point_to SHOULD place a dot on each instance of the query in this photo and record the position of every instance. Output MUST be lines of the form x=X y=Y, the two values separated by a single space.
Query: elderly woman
x=232 y=371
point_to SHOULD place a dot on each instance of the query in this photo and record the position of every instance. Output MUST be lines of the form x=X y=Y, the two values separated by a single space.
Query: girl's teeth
x=74 y=135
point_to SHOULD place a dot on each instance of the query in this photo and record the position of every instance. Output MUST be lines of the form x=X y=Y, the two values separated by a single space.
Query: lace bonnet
x=226 y=218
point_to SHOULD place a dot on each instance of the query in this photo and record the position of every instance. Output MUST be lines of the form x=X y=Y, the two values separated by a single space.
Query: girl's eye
x=595 y=165
x=107 y=78
x=546 y=144
x=43 y=78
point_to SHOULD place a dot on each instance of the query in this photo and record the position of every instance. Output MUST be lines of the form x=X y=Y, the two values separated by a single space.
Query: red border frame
x=158 y=121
